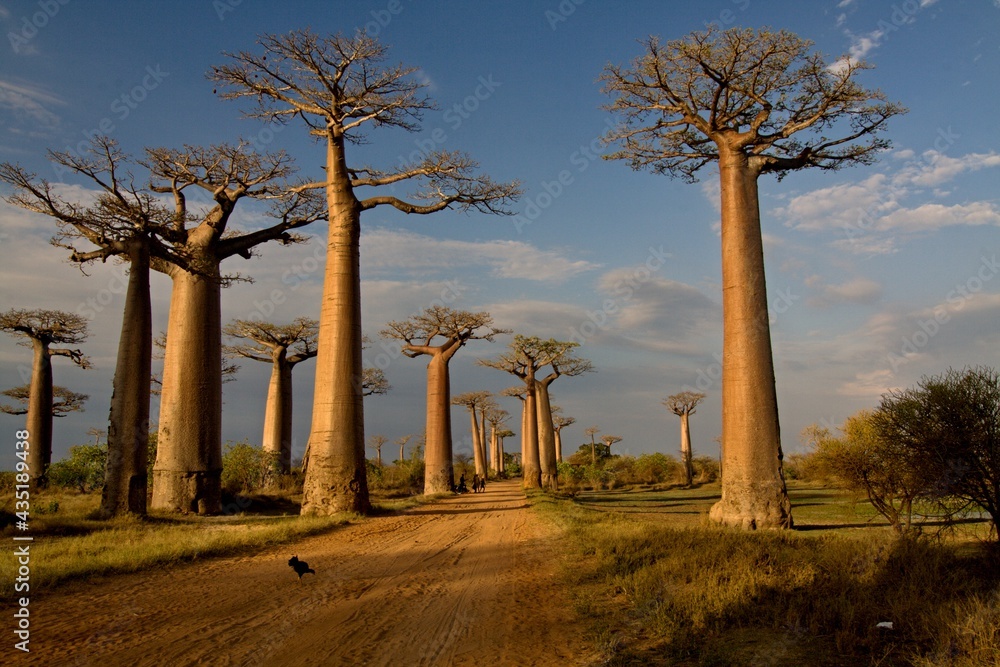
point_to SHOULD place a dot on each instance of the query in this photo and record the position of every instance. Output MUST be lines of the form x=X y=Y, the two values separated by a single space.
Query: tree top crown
x=761 y=93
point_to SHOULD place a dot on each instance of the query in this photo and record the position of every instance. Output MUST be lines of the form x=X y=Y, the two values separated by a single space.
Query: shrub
x=245 y=468
x=82 y=470
x=706 y=469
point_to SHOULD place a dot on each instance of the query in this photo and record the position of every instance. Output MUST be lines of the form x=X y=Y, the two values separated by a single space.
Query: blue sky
x=877 y=275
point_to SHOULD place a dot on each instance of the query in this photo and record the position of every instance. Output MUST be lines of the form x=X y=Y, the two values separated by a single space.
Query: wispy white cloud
x=30 y=104
x=855 y=291
x=386 y=250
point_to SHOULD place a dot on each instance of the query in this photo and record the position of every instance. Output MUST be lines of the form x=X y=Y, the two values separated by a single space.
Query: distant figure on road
x=475 y=483
x=461 y=488
x=482 y=484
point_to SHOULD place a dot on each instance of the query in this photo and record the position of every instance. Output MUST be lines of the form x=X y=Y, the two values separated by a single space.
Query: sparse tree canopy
x=761 y=92
x=753 y=102
x=684 y=403
x=64 y=401
x=340 y=87
x=298 y=339
x=48 y=327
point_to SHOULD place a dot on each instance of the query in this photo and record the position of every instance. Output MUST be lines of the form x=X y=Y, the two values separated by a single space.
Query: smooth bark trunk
x=38 y=421
x=277 y=435
x=482 y=444
x=530 y=463
x=477 y=450
x=557 y=434
x=753 y=487
x=336 y=480
x=546 y=437
x=186 y=477
x=125 y=481
x=439 y=474
x=686 y=450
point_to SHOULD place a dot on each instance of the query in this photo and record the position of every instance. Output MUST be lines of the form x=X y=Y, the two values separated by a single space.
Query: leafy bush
x=245 y=468
x=82 y=470
x=706 y=469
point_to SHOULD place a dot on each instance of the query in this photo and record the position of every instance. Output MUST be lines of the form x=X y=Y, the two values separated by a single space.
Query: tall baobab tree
x=520 y=392
x=439 y=332
x=128 y=224
x=753 y=102
x=559 y=422
x=683 y=405
x=497 y=417
x=39 y=330
x=559 y=356
x=189 y=441
x=592 y=431
x=476 y=402
x=283 y=346
x=339 y=86
x=609 y=440
x=525 y=357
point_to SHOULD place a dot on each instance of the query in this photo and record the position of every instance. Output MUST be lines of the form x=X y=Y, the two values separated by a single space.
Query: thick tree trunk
x=125 y=482
x=753 y=487
x=482 y=443
x=477 y=450
x=278 y=412
x=557 y=434
x=439 y=474
x=336 y=480
x=686 y=450
x=186 y=477
x=38 y=421
x=546 y=437
x=531 y=463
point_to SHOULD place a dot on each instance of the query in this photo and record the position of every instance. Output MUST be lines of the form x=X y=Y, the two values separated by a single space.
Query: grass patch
x=659 y=585
x=71 y=546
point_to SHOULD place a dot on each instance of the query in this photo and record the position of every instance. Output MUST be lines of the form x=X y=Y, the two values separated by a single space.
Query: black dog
x=300 y=566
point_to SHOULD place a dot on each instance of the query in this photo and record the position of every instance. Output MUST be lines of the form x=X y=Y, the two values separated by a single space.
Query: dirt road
x=470 y=580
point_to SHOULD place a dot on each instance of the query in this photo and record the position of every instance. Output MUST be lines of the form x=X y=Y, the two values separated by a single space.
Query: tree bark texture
x=546 y=437
x=753 y=486
x=439 y=474
x=125 y=482
x=188 y=469
x=336 y=480
x=38 y=420
x=531 y=462
x=686 y=450
x=277 y=436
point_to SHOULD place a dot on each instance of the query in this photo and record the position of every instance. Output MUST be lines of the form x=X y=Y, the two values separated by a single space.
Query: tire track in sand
x=467 y=580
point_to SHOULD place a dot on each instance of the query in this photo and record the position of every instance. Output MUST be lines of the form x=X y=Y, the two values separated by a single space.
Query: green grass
x=660 y=585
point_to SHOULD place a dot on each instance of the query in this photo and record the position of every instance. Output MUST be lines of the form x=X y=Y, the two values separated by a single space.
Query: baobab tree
x=592 y=431
x=131 y=225
x=39 y=330
x=520 y=392
x=401 y=441
x=64 y=401
x=497 y=417
x=753 y=102
x=376 y=442
x=339 y=86
x=609 y=440
x=476 y=402
x=559 y=422
x=683 y=405
x=525 y=357
x=189 y=442
x=439 y=333
x=283 y=346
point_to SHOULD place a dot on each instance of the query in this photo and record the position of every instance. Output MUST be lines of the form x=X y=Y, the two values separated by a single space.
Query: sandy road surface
x=470 y=580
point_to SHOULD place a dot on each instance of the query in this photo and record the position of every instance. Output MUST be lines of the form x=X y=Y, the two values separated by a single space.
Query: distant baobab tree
x=401 y=441
x=527 y=355
x=376 y=442
x=521 y=394
x=559 y=422
x=439 y=333
x=283 y=346
x=39 y=330
x=476 y=402
x=189 y=442
x=683 y=405
x=497 y=417
x=339 y=86
x=592 y=431
x=753 y=102
x=609 y=440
